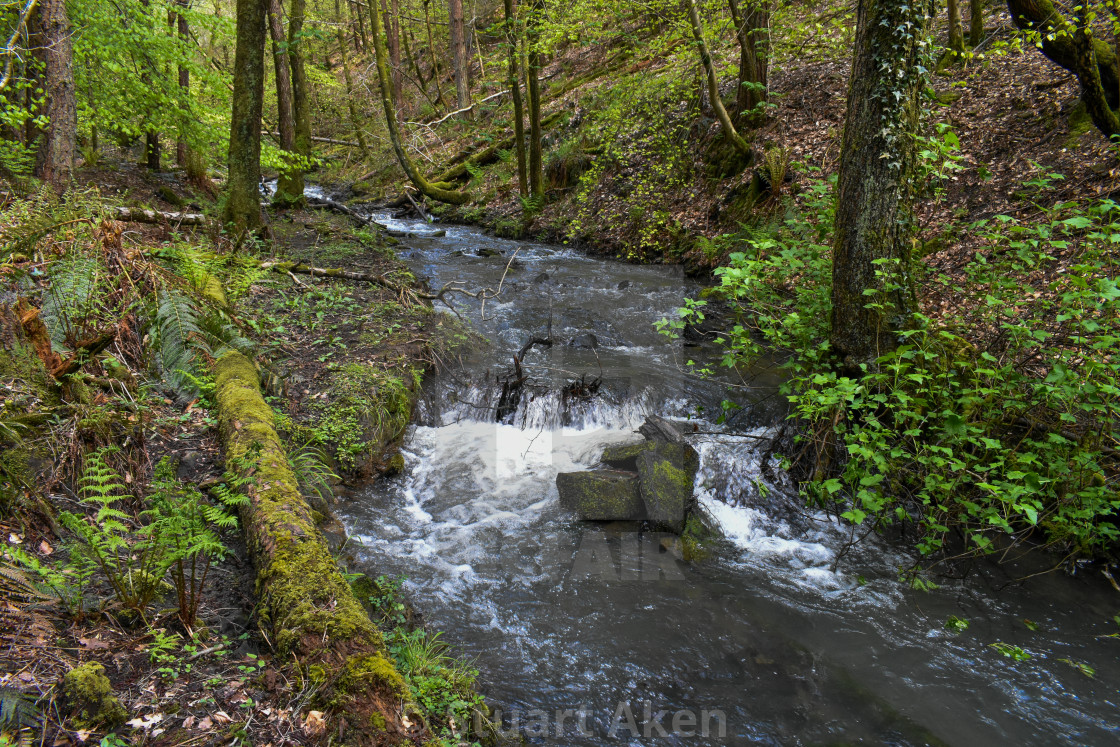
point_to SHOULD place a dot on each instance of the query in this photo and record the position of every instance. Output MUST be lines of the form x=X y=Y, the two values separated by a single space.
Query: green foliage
x=309 y=463
x=442 y=684
x=1003 y=436
x=66 y=587
x=173 y=534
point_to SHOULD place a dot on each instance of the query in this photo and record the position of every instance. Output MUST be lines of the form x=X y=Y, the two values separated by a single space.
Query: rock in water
x=666 y=487
x=587 y=340
x=601 y=495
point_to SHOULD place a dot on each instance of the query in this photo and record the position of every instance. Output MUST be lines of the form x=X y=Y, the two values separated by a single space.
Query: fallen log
x=306 y=607
x=488 y=155
x=138 y=215
x=338 y=207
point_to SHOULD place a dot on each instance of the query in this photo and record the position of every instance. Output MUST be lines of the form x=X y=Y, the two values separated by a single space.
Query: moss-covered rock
x=89 y=697
x=601 y=495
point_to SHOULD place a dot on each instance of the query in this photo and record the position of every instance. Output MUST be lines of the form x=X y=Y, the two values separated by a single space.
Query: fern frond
x=17 y=710
x=73 y=296
x=177 y=329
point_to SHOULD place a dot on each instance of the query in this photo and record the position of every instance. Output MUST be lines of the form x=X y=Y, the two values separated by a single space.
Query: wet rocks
x=647 y=481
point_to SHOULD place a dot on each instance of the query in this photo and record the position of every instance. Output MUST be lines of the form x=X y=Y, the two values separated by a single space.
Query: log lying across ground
x=307 y=607
x=137 y=215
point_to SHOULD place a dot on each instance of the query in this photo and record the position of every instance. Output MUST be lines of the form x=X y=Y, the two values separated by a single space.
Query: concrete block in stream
x=665 y=481
x=601 y=495
x=625 y=457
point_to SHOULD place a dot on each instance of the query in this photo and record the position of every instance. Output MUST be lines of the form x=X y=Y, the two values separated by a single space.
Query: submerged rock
x=487 y=252
x=601 y=495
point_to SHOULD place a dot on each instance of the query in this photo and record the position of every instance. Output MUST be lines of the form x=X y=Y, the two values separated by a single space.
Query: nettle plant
x=991 y=426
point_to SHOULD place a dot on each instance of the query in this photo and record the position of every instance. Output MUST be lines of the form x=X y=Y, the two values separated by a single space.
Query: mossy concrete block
x=89 y=696
x=626 y=457
x=601 y=495
x=666 y=487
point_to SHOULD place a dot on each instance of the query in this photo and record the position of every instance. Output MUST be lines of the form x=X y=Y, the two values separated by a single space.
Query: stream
x=589 y=635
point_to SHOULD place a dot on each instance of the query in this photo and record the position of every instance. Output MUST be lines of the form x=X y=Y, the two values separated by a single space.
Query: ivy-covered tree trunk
x=438 y=192
x=55 y=159
x=514 y=82
x=284 y=122
x=870 y=252
x=301 y=106
x=532 y=74
x=243 y=202
x=752 y=29
x=183 y=30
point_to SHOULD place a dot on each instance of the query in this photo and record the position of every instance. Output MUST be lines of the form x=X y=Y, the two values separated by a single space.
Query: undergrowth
x=989 y=428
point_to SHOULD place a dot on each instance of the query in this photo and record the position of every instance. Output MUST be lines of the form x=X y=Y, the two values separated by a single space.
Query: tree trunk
x=536 y=171
x=55 y=162
x=152 y=150
x=351 y=102
x=871 y=241
x=432 y=52
x=729 y=130
x=752 y=30
x=356 y=10
x=181 y=156
x=435 y=191
x=1088 y=75
x=285 y=125
x=459 y=53
x=514 y=82
x=976 y=22
x=956 y=32
x=1059 y=43
x=395 y=53
x=243 y=203
x=301 y=107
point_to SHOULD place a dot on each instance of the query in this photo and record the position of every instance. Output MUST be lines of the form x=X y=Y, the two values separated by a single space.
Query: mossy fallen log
x=307 y=608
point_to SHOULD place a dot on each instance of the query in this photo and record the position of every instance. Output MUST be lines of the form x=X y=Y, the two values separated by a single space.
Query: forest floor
x=327 y=347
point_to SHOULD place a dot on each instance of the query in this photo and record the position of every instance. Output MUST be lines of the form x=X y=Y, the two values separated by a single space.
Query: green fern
x=183 y=518
x=177 y=330
x=18 y=712
x=133 y=560
x=66 y=587
x=73 y=303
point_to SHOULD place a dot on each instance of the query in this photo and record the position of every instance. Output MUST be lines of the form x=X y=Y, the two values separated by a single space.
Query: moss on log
x=307 y=607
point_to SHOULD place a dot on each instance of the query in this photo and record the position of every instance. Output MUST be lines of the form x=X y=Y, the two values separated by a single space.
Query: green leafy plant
x=186 y=519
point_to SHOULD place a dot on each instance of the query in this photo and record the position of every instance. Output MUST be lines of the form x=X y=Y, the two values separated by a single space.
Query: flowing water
x=590 y=635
